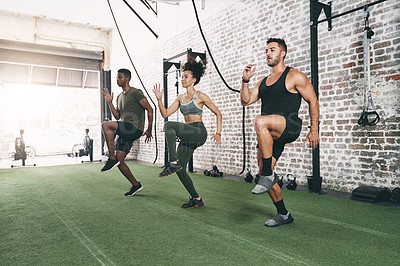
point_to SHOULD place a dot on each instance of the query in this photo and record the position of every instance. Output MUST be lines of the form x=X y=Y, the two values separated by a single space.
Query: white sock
x=285 y=216
x=270 y=177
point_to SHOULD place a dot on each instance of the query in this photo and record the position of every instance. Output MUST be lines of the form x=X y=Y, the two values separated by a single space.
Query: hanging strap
x=369 y=115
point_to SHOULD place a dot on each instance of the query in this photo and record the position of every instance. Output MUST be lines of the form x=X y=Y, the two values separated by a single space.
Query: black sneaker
x=170 y=169
x=134 y=190
x=110 y=164
x=193 y=203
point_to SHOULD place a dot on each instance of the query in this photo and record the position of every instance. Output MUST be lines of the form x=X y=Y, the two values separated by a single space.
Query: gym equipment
x=369 y=116
x=147 y=4
x=248 y=178
x=280 y=180
x=142 y=20
x=395 y=195
x=87 y=148
x=20 y=153
x=315 y=11
x=177 y=78
x=370 y=194
x=310 y=183
x=291 y=184
x=214 y=172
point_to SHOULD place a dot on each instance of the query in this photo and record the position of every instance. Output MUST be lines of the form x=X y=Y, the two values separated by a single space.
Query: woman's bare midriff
x=193 y=119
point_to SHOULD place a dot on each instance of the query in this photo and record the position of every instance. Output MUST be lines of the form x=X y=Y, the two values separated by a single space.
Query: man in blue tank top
x=278 y=124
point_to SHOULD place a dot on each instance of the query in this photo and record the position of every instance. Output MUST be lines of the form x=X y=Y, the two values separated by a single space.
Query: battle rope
x=226 y=84
x=368 y=118
x=127 y=52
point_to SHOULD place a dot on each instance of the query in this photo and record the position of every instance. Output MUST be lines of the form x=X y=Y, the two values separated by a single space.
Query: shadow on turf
x=241 y=212
x=247 y=213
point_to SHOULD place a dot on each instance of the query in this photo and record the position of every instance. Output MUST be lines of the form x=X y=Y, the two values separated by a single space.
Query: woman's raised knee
x=169 y=125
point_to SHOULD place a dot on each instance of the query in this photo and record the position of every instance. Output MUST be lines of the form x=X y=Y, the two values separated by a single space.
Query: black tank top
x=276 y=99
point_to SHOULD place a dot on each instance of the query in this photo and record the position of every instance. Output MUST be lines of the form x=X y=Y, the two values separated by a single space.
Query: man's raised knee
x=106 y=125
x=260 y=124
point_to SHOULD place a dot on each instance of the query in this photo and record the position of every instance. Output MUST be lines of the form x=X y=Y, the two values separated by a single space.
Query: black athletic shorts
x=290 y=134
x=127 y=134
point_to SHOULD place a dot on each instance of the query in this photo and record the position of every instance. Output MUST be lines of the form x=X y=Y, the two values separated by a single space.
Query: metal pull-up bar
x=315 y=11
x=350 y=11
x=167 y=64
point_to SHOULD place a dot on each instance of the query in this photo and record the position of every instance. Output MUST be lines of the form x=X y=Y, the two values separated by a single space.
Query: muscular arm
x=304 y=87
x=248 y=97
x=145 y=104
x=114 y=110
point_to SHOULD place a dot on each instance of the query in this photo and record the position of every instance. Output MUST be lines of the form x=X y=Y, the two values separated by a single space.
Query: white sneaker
x=264 y=184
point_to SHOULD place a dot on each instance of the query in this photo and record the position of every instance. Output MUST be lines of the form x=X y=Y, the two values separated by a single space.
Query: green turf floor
x=75 y=215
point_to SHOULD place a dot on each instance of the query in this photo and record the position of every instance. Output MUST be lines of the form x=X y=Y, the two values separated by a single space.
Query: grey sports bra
x=190 y=108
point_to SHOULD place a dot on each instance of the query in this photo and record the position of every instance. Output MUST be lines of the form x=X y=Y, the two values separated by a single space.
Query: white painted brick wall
x=350 y=155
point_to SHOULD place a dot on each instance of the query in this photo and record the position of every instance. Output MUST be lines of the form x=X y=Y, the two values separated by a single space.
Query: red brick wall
x=350 y=155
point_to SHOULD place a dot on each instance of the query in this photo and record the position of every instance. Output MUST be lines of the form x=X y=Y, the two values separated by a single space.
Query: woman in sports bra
x=192 y=133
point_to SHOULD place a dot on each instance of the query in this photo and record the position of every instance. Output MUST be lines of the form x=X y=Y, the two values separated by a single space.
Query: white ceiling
x=95 y=12
x=173 y=17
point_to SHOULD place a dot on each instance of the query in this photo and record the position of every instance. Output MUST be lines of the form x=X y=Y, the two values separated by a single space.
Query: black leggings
x=192 y=135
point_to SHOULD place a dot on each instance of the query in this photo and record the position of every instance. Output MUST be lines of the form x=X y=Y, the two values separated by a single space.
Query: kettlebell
x=206 y=172
x=248 y=178
x=280 y=181
x=291 y=184
x=215 y=172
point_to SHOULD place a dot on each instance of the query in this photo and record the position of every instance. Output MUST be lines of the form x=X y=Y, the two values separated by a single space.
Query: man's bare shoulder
x=297 y=75
x=295 y=72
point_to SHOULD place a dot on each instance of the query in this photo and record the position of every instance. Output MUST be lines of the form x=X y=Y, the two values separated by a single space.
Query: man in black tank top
x=278 y=124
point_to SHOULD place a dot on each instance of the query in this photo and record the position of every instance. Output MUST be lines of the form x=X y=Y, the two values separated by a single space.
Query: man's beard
x=272 y=62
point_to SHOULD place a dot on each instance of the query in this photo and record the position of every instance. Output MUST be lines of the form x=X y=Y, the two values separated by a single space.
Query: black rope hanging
x=141 y=82
x=226 y=84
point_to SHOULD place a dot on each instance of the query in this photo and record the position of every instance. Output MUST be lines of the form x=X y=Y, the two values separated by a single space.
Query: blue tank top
x=190 y=108
x=276 y=99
